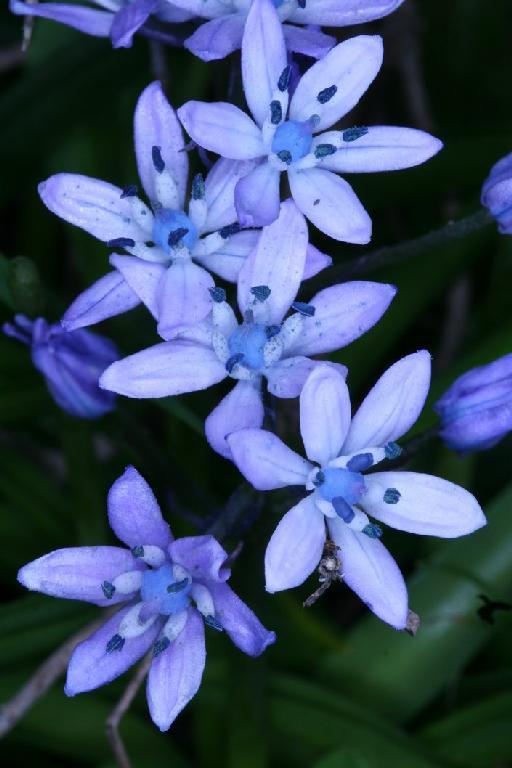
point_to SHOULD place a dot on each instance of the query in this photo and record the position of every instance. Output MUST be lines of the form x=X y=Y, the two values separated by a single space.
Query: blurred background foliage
x=339 y=689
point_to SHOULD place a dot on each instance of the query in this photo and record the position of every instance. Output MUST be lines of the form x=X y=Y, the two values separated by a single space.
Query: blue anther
x=173 y=227
x=230 y=229
x=138 y=551
x=218 y=294
x=326 y=94
x=121 y=242
x=352 y=134
x=343 y=509
x=304 y=309
x=233 y=360
x=108 y=589
x=198 y=187
x=276 y=112
x=373 y=530
x=260 y=292
x=272 y=330
x=115 y=644
x=392 y=496
x=130 y=190
x=360 y=462
x=301 y=3
x=392 y=451
x=156 y=156
x=284 y=79
x=214 y=623
x=178 y=586
x=292 y=140
x=324 y=150
x=176 y=236
x=319 y=479
x=161 y=645
x=285 y=156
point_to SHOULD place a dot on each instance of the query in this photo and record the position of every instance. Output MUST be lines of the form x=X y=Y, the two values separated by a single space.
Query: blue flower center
x=159 y=586
x=249 y=340
x=172 y=229
x=277 y=3
x=292 y=140
x=342 y=483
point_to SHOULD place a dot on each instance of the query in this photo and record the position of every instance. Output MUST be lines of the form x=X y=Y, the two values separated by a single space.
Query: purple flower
x=476 y=411
x=285 y=133
x=340 y=449
x=497 y=193
x=71 y=363
x=167 y=589
x=264 y=345
x=117 y=19
x=223 y=33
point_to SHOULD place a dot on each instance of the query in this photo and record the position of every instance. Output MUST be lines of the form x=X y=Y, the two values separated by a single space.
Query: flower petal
x=156 y=125
x=91 y=666
x=331 y=204
x=228 y=262
x=277 y=262
x=308 y=42
x=143 y=277
x=183 y=296
x=134 y=514
x=171 y=368
x=332 y=13
x=107 y=297
x=222 y=128
x=202 y=556
x=219 y=187
x=217 y=38
x=265 y=461
x=257 y=196
x=88 y=20
x=175 y=674
x=351 y=66
x=287 y=377
x=342 y=313
x=128 y=19
x=371 y=572
x=316 y=261
x=242 y=625
x=296 y=546
x=90 y=204
x=427 y=505
x=206 y=9
x=324 y=414
x=393 y=405
x=240 y=409
x=77 y=573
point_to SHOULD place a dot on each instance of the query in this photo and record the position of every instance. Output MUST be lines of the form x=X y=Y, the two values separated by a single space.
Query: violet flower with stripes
x=167 y=589
x=340 y=449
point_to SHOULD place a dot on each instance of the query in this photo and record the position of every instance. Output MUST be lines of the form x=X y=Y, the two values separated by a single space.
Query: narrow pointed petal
x=90 y=204
x=324 y=414
x=308 y=42
x=331 y=204
x=393 y=405
x=143 y=277
x=257 y=196
x=91 y=666
x=332 y=13
x=222 y=128
x=175 y=674
x=88 y=20
x=107 y=297
x=183 y=296
x=351 y=66
x=77 y=573
x=171 y=368
x=343 y=313
x=228 y=262
x=371 y=572
x=241 y=624
x=316 y=261
x=265 y=461
x=134 y=514
x=240 y=409
x=295 y=548
x=427 y=505
x=156 y=125
x=128 y=20
x=203 y=557
x=277 y=262
x=219 y=187
x=217 y=38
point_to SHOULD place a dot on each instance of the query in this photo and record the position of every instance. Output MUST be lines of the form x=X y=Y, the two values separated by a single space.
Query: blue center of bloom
x=173 y=228
x=160 y=586
x=277 y=3
x=342 y=483
x=249 y=340
x=293 y=138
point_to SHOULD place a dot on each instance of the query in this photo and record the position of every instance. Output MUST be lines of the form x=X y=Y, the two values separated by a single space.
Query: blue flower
x=497 y=193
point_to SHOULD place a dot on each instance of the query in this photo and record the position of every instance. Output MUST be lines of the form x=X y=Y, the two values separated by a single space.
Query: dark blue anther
x=326 y=94
x=392 y=496
x=230 y=229
x=360 y=462
x=108 y=589
x=130 y=191
x=161 y=645
x=176 y=235
x=121 y=242
x=304 y=309
x=233 y=360
x=373 y=531
x=392 y=451
x=324 y=150
x=214 y=623
x=343 y=509
x=284 y=79
x=285 y=156
x=351 y=134
x=149 y=244
x=276 y=112
x=138 y=551
x=301 y=3
x=319 y=479
x=115 y=644
x=177 y=586
x=272 y=330
x=218 y=295
x=260 y=292
x=156 y=156
x=198 y=188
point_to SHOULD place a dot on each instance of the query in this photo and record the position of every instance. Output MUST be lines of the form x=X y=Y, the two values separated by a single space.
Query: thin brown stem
x=117 y=714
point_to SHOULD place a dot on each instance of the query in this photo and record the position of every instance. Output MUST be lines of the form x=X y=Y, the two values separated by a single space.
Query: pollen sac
x=294 y=138
x=326 y=94
x=373 y=530
x=214 y=623
x=261 y=292
x=171 y=228
x=160 y=646
x=305 y=309
x=108 y=589
x=392 y=451
x=360 y=462
x=229 y=230
x=392 y=496
x=198 y=187
x=218 y=294
x=158 y=162
x=121 y=242
x=115 y=643
x=284 y=79
x=324 y=150
x=276 y=112
x=129 y=191
x=352 y=134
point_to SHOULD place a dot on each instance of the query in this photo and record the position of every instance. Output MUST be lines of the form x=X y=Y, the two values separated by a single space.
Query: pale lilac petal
x=175 y=674
x=107 y=297
x=156 y=125
x=240 y=409
x=265 y=461
x=88 y=20
x=393 y=405
x=134 y=514
x=206 y=9
x=77 y=573
x=309 y=42
x=331 y=204
x=332 y=13
x=383 y=148
x=228 y=262
x=218 y=38
x=183 y=296
x=143 y=277
x=351 y=66
x=277 y=262
x=91 y=666
x=171 y=368
x=128 y=19
x=90 y=204
x=219 y=187
x=257 y=196
x=342 y=313
x=222 y=128
x=324 y=414
x=263 y=57
x=296 y=546
x=287 y=377
x=316 y=261
x=202 y=556
x=371 y=572
x=172 y=13
x=241 y=624
x=427 y=505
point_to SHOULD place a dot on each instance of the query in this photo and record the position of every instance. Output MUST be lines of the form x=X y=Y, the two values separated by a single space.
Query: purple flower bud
x=497 y=194
x=476 y=411
x=70 y=361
